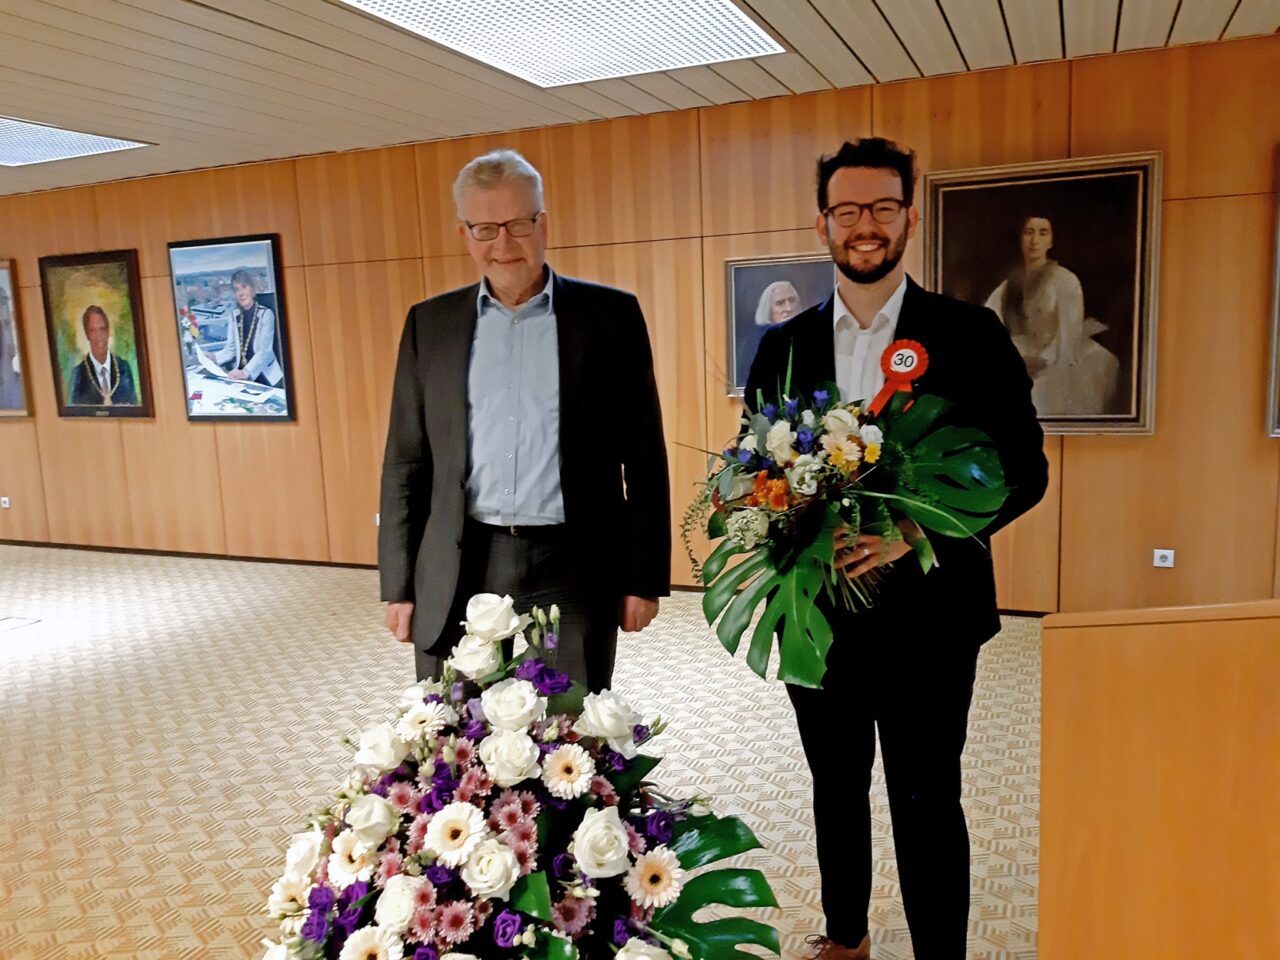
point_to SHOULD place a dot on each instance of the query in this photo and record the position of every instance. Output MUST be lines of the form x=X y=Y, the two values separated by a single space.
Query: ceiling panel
x=926 y=35
x=1201 y=21
x=751 y=78
x=669 y=90
x=863 y=27
x=1089 y=26
x=708 y=84
x=1253 y=17
x=794 y=72
x=803 y=29
x=1035 y=29
x=979 y=29
x=1145 y=24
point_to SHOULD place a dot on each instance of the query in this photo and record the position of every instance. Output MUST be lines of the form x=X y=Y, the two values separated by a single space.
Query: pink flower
x=424 y=898
x=393 y=845
x=475 y=783
x=422 y=928
x=529 y=805
x=403 y=797
x=391 y=864
x=523 y=831
x=571 y=915
x=603 y=789
x=505 y=816
x=418 y=832
x=483 y=908
x=455 y=921
x=464 y=752
x=635 y=842
x=526 y=856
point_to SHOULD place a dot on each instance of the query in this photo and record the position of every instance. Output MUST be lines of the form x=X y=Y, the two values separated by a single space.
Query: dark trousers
x=536 y=567
x=915 y=686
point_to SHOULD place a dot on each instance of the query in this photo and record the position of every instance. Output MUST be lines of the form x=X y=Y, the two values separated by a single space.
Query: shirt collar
x=97 y=367
x=486 y=297
x=887 y=317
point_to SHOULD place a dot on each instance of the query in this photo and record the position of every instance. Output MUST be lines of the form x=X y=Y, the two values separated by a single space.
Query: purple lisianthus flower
x=564 y=867
x=354 y=892
x=621 y=931
x=458 y=692
x=316 y=927
x=804 y=439
x=640 y=733
x=551 y=681
x=426 y=953
x=380 y=789
x=506 y=928
x=476 y=709
x=616 y=761
x=770 y=410
x=551 y=641
x=820 y=397
x=348 y=920
x=659 y=826
x=433 y=698
x=792 y=408
x=440 y=876
x=528 y=670
x=475 y=730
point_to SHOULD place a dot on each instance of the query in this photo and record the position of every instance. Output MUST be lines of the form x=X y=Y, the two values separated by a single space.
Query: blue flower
x=793 y=408
x=804 y=438
x=770 y=410
x=744 y=456
x=820 y=397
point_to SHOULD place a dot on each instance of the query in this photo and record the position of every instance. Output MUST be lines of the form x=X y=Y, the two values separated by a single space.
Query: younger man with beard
x=906 y=666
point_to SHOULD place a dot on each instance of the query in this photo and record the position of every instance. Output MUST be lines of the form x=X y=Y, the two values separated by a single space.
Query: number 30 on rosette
x=903 y=361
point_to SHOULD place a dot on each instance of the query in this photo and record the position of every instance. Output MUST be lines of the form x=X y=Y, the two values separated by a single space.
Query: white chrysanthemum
x=656 y=880
x=372 y=943
x=748 y=528
x=454 y=832
x=350 y=861
x=288 y=896
x=425 y=720
x=567 y=771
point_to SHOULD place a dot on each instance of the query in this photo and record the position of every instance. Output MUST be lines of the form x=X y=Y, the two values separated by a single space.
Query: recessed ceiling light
x=555 y=42
x=23 y=142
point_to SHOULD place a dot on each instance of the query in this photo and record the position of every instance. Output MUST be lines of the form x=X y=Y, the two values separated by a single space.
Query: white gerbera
x=288 y=896
x=454 y=832
x=425 y=720
x=350 y=861
x=656 y=880
x=567 y=771
x=372 y=943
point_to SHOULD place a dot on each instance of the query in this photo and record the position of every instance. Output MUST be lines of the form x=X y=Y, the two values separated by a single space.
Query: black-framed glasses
x=884 y=210
x=521 y=227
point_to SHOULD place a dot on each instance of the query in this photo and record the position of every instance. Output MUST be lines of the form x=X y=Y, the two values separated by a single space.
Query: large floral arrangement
x=500 y=813
x=809 y=473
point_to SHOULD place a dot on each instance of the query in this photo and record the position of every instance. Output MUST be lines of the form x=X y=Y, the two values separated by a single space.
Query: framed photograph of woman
x=763 y=291
x=93 y=312
x=1273 y=394
x=229 y=308
x=1067 y=255
x=14 y=400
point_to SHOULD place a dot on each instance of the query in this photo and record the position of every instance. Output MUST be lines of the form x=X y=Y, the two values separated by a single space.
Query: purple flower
x=617 y=762
x=729 y=453
x=458 y=692
x=621 y=931
x=476 y=709
x=506 y=928
x=804 y=438
x=659 y=826
x=640 y=733
x=433 y=698
x=564 y=867
x=768 y=463
x=426 y=953
x=793 y=408
x=548 y=680
x=770 y=410
x=551 y=641
x=316 y=927
x=353 y=893
x=440 y=876
x=820 y=397
x=348 y=920
x=320 y=899
x=475 y=730
x=380 y=790
x=528 y=670
x=744 y=456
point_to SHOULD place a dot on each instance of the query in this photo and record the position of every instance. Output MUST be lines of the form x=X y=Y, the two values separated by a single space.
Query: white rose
x=303 y=855
x=493 y=618
x=396 y=907
x=288 y=896
x=748 y=443
x=275 y=951
x=840 y=422
x=425 y=720
x=491 y=870
x=372 y=819
x=380 y=749
x=476 y=657
x=510 y=756
x=779 y=442
x=600 y=844
x=607 y=716
x=870 y=434
x=459 y=956
x=803 y=475
x=747 y=528
x=414 y=695
x=637 y=949
x=513 y=704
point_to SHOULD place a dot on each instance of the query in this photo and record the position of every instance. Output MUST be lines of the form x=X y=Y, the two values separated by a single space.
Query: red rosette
x=903 y=362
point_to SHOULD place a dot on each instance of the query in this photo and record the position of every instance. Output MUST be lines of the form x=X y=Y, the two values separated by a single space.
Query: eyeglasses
x=884 y=210
x=515 y=228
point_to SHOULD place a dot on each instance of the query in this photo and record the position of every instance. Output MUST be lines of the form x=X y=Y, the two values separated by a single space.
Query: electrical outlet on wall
x=4 y=503
x=1162 y=558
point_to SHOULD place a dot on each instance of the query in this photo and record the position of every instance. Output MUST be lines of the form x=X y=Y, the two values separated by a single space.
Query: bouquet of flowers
x=803 y=469
x=500 y=813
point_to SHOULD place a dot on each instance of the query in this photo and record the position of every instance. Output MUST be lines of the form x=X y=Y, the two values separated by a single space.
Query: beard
x=892 y=257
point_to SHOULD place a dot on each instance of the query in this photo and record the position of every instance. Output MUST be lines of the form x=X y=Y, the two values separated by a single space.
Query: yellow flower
x=872 y=454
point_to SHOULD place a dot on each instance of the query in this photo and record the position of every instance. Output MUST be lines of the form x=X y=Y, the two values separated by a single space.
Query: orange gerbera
x=760 y=491
x=779 y=493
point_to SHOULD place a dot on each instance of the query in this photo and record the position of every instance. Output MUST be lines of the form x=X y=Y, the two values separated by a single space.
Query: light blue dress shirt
x=513 y=408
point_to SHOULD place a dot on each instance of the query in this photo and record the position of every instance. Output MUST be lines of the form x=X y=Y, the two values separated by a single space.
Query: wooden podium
x=1160 y=784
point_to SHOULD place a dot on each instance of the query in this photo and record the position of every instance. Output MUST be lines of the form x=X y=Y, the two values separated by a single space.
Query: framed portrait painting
x=763 y=291
x=229 y=309
x=14 y=400
x=1067 y=255
x=1273 y=393
x=97 y=343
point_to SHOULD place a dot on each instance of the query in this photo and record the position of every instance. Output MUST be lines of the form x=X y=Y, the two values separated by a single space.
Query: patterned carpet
x=167 y=722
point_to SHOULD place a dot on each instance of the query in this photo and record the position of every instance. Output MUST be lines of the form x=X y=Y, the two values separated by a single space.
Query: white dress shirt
x=101 y=371
x=858 y=351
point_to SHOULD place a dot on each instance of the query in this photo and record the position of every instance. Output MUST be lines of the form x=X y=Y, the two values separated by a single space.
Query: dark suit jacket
x=84 y=393
x=972 y=363
x=610 y=432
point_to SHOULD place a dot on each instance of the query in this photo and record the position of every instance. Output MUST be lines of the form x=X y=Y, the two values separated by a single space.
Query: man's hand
x=238 y=375
x=400 y=619
x=867 y=552
x=636 y=613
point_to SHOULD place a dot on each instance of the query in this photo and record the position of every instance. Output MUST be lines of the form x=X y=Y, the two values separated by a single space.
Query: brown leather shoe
x=822 y=948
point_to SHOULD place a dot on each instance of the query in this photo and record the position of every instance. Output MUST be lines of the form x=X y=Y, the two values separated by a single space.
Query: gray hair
x=764 y=306
x=494 y=169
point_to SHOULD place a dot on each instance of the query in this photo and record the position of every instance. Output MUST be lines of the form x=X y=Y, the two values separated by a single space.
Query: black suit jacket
x=84 y=393
x=610 y=432
x=972 y=363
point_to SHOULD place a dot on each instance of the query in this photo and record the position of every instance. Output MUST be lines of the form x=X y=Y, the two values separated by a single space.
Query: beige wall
x=656 y=204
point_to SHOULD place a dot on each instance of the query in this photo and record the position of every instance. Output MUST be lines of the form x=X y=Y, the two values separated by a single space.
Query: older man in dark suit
x=905 y=667
x=525 y=453
x=101 y=378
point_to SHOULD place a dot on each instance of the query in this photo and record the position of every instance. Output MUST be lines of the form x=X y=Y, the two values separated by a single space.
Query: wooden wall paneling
x=1209 y=108
x=83 y=465
x=759 y=158
x=359 y=206
x=226 y=202
x=1026 y=552
x=35 y=225
x=442 y=274
x=666 y=278
x=21 y=481
x=356 y=326
x=1205 y=483
x=175 y=492
x=271 y=473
